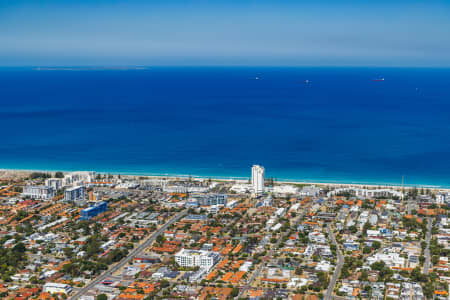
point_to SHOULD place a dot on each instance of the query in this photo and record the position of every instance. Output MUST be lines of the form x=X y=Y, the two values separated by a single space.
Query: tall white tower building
x=258 y=179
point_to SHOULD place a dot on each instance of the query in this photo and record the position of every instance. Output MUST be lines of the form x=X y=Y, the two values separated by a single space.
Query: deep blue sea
x=212 y=121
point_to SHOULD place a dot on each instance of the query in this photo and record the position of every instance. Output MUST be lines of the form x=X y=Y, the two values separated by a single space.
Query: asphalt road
x=339 y=298
x=272 y=250
x=337 y=270
x=249 y=282
x=261 y=266
x=126 y=259
x=426 y=265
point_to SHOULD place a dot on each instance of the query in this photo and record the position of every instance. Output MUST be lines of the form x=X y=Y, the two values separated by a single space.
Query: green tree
x=365 y=228
x=234 y=292
x=164 y=283
x=364 y=276
x=160 y=239
x=421 y=259
x=102 y=297
x=367 y=250
x=376 y=245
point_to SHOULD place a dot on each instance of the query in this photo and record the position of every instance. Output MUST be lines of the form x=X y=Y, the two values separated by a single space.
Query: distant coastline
x=88 y=68
x=333 y=183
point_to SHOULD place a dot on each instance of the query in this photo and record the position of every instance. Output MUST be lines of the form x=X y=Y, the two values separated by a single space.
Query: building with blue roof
x=93 y=211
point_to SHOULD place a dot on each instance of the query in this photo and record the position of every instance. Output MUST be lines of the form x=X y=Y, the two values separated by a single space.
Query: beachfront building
x=258 y=180
x=310 y=191
x=74 y=194
x=366 y=193
x=78 y=178
x=38 y=192
x=283 y=189
x=194 y=258
x=442 y=198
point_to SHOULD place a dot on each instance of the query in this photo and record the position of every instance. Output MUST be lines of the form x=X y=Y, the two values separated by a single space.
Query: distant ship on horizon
x=307 y=81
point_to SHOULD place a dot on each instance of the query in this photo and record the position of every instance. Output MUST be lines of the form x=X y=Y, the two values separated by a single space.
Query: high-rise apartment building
x=39 y=192
x=258 y=179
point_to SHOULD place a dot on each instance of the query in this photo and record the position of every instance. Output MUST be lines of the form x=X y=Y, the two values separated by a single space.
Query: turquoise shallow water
x=340 y=127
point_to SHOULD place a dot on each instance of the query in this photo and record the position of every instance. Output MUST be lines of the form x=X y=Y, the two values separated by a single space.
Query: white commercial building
x=310 y=191
x=54 y=223
x=241 y=188
x=74 y=194
x=280 y=212
x=194 y=258
x=276 y=227
x=55 y=183
x=442 y=198
x=366 y=193
x=38 y=192
x=373 y=219
x=78 y=178
x=258 y=179
x=56 y=288
x=284 y=189
x=390 y=259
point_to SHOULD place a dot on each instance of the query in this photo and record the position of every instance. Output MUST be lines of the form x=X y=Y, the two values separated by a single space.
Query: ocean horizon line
x=126 y=67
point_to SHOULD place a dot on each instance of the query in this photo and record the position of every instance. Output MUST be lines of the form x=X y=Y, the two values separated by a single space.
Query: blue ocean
x=307 y=124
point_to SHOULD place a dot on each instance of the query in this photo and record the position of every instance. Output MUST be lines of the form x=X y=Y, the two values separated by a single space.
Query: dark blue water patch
x=341 y=126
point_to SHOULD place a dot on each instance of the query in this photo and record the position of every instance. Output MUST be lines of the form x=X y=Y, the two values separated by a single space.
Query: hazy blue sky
x=241 y=32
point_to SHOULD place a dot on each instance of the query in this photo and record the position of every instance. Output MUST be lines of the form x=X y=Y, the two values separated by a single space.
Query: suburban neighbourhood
x=87 y=235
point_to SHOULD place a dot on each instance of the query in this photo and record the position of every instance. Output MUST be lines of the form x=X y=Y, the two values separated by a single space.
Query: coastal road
x=272 y=250
x=337 y=270
x=426 y=265
x=130 y=256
